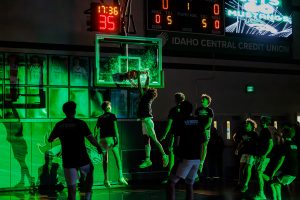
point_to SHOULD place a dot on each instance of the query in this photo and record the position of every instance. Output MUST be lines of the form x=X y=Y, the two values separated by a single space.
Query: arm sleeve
x=113 y=117
x=98 y=123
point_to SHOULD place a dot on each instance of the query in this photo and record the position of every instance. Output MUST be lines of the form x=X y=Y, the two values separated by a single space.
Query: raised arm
x=133 y=83
x=147 y=81
x=139 y=83
x=131 y=75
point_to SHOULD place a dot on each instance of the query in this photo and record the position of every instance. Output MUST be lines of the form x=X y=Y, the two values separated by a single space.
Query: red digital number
x=216 y=9
x=157 y=19
x=111 y=23
x=107 y=23
x=165 y=4
x=102 y=22
x=217 y=24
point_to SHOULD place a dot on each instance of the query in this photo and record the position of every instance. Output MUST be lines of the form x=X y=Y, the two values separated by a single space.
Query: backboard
x=117 y=55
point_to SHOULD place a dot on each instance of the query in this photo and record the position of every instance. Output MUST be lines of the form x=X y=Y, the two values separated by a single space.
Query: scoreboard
x=105 y=18
x=262 y=18
x=198 y=16
x=262 y=28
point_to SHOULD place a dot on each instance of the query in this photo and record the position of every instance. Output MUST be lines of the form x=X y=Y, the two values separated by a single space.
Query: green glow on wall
x=128 y=53
x=24 y=148
x=26 y=119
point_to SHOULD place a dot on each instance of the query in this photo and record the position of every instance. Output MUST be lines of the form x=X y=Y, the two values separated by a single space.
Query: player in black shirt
x=187 y=152
x=107 y=128
x=205 y=115
x=265 y=145
x=275 y=155
x=287 y=166
x=71 y=133
x=144 y=113
x=174 y=115
x=246 y=147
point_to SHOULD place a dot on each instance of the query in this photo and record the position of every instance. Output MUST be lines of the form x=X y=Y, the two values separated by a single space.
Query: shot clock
x=105 y=18
x=191 y=16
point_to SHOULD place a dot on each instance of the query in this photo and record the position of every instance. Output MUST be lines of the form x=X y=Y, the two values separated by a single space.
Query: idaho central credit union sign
x=193 y=44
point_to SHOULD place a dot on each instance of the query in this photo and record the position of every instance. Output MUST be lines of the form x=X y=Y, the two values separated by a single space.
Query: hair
x=179 y=97
x=69 y=108
x=252 y=122
x=207 y=97
x=288 y=132
x=266 y=120
x=105 y=104
x=152 y=92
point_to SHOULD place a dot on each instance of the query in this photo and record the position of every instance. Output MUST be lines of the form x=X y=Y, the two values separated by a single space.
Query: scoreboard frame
x=165 y=19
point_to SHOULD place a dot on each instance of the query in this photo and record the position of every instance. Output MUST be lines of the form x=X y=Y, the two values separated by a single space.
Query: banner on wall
x=194 y=44
x=259 y=18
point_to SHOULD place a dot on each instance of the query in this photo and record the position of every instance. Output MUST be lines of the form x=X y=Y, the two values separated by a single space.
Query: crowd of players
x=271 y=153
